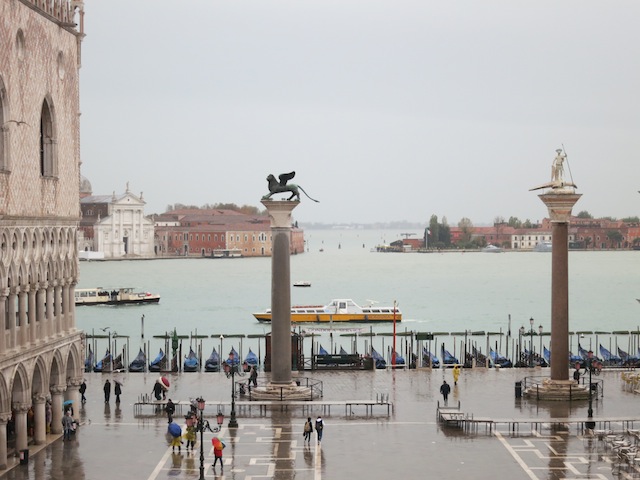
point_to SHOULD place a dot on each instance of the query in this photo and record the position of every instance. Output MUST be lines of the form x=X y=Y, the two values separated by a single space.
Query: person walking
x=190 y=435
x=107 y=391
x=117 y=391
x=67 y=425
x=170 y=409
x=319 y=428
x=576 y=373
x=253 y=377
x=83 y=388
x=217 y=453
x=456 y=374
x=308 y=428
x=157 y=391
x=445 y=389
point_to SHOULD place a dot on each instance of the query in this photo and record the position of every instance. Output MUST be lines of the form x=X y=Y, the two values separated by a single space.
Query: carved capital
x=4 y=292
x=20 y=407
x=39 y=398
x=74 y=382
x=58 y=389
x=5 y=417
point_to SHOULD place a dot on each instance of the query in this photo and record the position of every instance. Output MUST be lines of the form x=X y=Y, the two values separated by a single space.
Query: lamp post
x=521 y=332
x=540 y=352
x=531 y=342
x=202 y=425
x=230 y=370
x=590 y=424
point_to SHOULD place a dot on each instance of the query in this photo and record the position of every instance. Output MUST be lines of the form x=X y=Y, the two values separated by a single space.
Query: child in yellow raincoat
x=456 y=374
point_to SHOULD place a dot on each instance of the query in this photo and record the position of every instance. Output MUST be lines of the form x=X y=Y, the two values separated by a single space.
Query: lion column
x=280 y=215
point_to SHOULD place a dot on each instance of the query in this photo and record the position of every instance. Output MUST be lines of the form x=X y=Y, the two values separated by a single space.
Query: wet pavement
x=113 y=443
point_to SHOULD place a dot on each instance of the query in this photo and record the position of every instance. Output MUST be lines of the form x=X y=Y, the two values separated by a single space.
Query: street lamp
x=531 y=343
x=521 y=331
x=202 y=425
x=540 y=352
x=590 y=424
x=230 y=370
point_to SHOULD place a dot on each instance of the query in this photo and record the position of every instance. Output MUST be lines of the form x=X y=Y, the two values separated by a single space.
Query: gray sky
x=386 y=110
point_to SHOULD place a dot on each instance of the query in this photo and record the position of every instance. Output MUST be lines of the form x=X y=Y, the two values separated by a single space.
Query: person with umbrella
x=67 y=425
x=67 y=407
x=218 y=445
x=176 y=434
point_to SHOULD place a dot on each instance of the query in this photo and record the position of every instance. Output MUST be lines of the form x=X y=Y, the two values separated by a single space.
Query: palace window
x=48 y=161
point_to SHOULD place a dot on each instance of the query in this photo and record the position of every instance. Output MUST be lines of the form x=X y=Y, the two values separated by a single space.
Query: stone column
x=560 y=204
x=4 y=418
x=3 y=322
x=73 y=391
x=32 y=315
x=57 y=309
x=40 y=421
x=20 y=411
x=12 y=317
x=280 y=214
x=65 y=308
x=23 y=334
x=56 y=408
x=41 y=313
x=49 y=312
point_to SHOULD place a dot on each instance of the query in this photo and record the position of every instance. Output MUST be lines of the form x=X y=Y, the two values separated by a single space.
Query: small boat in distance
x=491 y=249
x=191 y=363
x=118 y=296
x=544 y=246
x=302 y=284
x=340 y=310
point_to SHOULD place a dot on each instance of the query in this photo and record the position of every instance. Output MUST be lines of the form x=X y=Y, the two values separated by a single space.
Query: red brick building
x=213 y=232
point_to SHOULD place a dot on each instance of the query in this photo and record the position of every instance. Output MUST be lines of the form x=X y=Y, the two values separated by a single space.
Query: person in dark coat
x=157 y=391
x=170 y=409
x=107 y=391
x=83 y=388
x=444 y=390
x=117 y=391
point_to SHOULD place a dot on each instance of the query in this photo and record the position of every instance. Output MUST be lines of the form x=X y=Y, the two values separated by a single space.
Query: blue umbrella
x=175 y=430
x=67 y=402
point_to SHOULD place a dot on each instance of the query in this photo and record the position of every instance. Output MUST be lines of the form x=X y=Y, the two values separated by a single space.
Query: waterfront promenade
x=113 y=443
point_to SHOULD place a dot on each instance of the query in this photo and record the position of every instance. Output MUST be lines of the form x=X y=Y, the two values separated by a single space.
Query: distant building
x=208 y=232
x=116 y=226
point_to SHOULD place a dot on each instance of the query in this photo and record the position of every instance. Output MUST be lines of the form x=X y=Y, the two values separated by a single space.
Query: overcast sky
x=387 y=110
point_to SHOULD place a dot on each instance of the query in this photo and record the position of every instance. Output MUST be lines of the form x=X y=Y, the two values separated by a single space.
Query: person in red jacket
x=217 y=452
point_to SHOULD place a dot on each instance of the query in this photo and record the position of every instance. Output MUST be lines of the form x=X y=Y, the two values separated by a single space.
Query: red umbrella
x=164 y=382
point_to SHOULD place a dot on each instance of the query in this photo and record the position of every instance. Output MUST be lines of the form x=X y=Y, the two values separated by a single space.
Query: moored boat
x=340 y=310
x=139 y=363
x=119 y=296
x=492 y=249
x=302 y=284
x=378 y=359
x=158 y=364
x=88 y=363
x=429 y=359
x=544 y=246
x=191 y=363
x=213 y=362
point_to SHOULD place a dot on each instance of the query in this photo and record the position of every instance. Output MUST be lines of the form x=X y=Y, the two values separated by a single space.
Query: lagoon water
x=437 y=292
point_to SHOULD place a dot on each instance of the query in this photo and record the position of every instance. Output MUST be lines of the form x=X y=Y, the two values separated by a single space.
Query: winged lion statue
x=281 y=186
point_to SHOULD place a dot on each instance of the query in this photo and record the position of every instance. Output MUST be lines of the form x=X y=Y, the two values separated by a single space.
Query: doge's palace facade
x=41 y=357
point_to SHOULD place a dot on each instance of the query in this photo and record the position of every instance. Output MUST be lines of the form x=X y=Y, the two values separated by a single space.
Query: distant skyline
x=387 y=111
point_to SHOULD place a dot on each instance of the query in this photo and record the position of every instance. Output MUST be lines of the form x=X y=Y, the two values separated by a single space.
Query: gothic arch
x=5 y=398
x=48 y=152
x=40 y=379
x=56 y=374
x=20 y=385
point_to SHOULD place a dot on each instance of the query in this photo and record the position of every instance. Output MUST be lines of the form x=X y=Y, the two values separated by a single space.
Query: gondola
x=322 y=351
x=139 y=363
x=251 y=360
x=158 y=363
x=213 y=362
x=234 y=358
x=547 y=355
x=499 y=360
x=628 y=360
x=104 y=364
x=117 y=365
x=378 y=359
x=191 y=363
x=609 y=359
x=429 y=359
x=448 y=359
x=88 y=363
x=399 y=360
